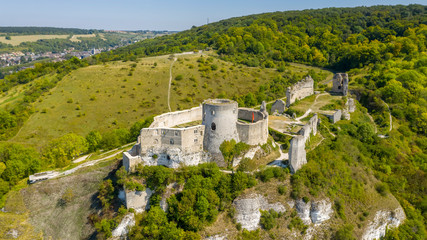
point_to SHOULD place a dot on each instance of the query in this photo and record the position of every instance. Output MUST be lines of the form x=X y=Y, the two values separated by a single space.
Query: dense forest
x=383 y=48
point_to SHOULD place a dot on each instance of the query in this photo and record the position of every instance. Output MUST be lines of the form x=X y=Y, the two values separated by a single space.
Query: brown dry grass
x=70 y=221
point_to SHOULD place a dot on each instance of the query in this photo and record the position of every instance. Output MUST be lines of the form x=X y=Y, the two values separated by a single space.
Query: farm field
x=16 y=40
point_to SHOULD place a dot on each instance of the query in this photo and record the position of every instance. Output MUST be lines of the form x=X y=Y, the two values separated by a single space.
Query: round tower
x=219 y=118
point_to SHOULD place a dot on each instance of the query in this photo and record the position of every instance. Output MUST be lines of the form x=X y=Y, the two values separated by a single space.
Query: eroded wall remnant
x=278 y=106
x=300 y=90
x=340 y=83
x=297 y=154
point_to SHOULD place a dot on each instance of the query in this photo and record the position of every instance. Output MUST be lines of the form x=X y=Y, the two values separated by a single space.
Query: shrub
x=381 y=188
x=268 y=219
x=281 y=189
x=179 y=77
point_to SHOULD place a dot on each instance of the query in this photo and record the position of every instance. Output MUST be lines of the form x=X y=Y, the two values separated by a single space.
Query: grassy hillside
x=103 y=97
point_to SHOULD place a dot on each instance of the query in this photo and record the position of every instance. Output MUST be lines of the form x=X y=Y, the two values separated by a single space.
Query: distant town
x=16 y=58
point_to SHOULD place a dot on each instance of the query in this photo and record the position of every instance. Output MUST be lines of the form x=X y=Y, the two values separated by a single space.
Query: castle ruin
x=221 y=119
x=300 y=90
x=278 y=107
x=297 y=154
x=340 y=83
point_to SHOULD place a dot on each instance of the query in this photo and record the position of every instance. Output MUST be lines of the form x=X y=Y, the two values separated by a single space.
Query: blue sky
x=153 y=15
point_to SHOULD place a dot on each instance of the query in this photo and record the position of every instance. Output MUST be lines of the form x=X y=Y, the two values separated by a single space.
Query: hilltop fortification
x=164 y=144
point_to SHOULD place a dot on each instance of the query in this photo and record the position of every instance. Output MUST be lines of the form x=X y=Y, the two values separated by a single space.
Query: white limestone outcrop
x=314 y=212
x=122 y=229
x=138 y=200
x=320 y=211
x=248 y=210
x=303 y=210
x=382 y=221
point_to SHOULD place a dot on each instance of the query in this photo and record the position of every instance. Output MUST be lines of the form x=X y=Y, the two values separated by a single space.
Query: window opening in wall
x=176 y=133
x=339 y=87
x=196 y=140
x=171 y=141
x=213 y=113
x=168 y=157
x=195 y=131
x=213 y=126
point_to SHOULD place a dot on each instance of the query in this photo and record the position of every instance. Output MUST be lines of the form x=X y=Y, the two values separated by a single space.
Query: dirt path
x=310 y=110
x=372 y=120
x=389 y=113
x=170 y=82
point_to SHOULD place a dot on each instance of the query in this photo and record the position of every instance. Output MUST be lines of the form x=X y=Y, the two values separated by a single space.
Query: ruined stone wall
x=297 y=154
x=176 y=118
x=186 y=139
x=310 y=127
x=130 y=162
x=300 y=90
x=278 y=106
x=340 y=83
x=336 y=116
x=171 y=146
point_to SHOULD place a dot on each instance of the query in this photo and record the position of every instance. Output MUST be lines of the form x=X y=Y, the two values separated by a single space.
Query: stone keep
x=297 y=155
x=219 y=119
x=340 y=83
x=278 y=106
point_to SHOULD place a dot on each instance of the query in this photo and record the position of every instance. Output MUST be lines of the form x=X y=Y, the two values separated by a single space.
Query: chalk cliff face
x=320 y=211
x=303 y=210
x=123 y=228
x=248 y=210
x=383 y=220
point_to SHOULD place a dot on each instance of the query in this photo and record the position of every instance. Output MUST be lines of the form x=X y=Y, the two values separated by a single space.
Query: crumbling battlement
x=171 y=119
x=252 y=133
x=310 y=127
x=300 y=90
x=278 y=106
x=340 y=83
x=188 y=139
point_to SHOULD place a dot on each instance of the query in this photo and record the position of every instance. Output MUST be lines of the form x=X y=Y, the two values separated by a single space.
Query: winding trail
x=389 y=113
x=170 y=82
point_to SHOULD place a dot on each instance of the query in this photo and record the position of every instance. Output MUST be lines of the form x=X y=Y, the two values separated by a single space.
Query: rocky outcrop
x=382 y=221
x=122 y=229
x=248 y=210
x=320 y=211
x=138 y=200
x=216 y=237
x=314 y=212
x=303 y=210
